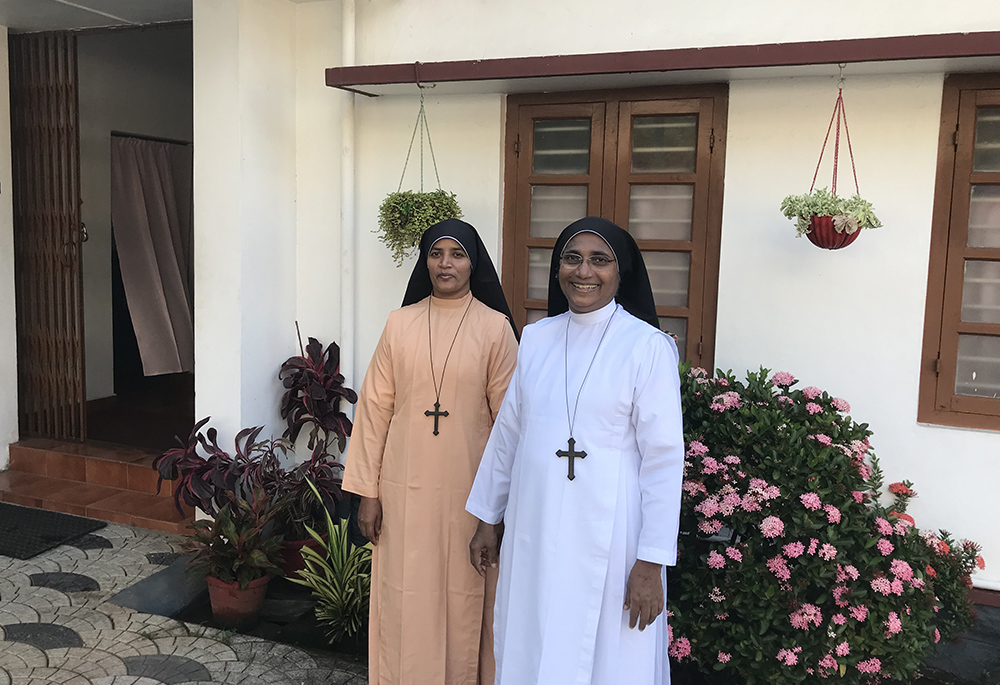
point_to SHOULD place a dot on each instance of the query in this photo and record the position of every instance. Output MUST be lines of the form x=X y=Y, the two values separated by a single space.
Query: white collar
x=597 y=316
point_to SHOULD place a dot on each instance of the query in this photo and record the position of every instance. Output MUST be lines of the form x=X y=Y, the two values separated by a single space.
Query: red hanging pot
x=823 y=234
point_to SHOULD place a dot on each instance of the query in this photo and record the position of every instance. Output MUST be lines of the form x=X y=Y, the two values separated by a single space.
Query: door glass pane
x=664 y=144
x=539 y=263
x=984 y=216
x=978 y=369
x=981 y=292
x=561 y=146
x=668 y=275
x=660 y=212
x=986 y=153
x=536 y=315
x=553 y=208
x=676 y=327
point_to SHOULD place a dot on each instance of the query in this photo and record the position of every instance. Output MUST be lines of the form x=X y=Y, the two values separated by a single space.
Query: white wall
x=135 y=81
x=431 y=30
x=8 y=334
x=850 y=321
x=468 y=143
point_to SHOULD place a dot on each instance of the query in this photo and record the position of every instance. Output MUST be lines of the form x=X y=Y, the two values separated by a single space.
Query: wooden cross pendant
x=437 y=413
x=571 y=454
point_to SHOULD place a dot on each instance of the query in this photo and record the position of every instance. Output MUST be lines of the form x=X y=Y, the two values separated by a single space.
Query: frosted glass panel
x=553 y=208
x=660 y=212
x=664 y=144
x=986 y=153
x=981 y=292
x=669 y=275
x=984 y=216
x=536 y=315
x=678 y=328
x=561 y=146
x=539 y=262
x=978 y=370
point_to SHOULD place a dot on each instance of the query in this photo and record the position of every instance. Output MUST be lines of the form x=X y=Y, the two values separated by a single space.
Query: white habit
x=569 y=546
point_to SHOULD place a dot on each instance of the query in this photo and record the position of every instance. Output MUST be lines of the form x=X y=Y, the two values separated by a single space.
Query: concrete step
x=98 y=480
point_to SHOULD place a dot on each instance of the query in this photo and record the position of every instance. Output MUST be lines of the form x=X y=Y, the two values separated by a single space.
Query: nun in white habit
x=582 y=477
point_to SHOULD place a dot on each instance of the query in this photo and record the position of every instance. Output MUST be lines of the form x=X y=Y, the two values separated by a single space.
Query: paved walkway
x=57 y=626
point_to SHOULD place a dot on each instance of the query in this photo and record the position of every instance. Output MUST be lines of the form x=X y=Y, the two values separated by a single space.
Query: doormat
x=26 y=532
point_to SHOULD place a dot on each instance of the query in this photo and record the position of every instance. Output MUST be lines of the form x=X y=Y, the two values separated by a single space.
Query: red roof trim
x=934 y=46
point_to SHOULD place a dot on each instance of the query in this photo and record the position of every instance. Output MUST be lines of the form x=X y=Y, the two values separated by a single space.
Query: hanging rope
x=838 y=113
x=420 y=125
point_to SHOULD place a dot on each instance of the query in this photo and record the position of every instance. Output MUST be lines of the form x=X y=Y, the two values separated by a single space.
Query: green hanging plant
x=404 y=215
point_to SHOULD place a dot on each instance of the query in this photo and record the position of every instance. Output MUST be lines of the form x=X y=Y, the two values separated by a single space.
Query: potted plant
x=404 y=215
x=237 y=552
x=828 y=220
x=339 y=575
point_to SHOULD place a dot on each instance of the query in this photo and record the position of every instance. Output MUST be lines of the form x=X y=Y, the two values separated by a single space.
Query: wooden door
x=47 y=235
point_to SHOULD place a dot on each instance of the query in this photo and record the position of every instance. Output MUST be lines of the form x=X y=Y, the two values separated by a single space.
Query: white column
x=244 y=209
x=8 y=335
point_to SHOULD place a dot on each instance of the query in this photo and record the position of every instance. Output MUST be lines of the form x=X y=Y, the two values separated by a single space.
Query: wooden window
x=960 y=369
x=652 y=161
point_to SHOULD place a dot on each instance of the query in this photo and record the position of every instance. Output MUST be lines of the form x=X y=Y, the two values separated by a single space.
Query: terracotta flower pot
x=823 y=234
x=291 y=556
x=234 y=607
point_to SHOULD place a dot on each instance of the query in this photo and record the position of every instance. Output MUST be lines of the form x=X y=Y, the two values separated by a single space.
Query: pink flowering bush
x=791 y=570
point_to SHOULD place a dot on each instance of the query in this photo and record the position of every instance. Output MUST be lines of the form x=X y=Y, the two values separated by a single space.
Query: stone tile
x=42 y=635
x=150 y=626
x=240 y=672
x=90 y=663
x=121 y=643
x=17 y=612
x=40 y=676
x=16 y=655
x=163 y=558
x=167 y=668
x=125 y=680
x=76 y=617
x=199 y=648
x=4 y=677
x=64 y=582
x=41 y=598
x=273 y=654
x=91 y=541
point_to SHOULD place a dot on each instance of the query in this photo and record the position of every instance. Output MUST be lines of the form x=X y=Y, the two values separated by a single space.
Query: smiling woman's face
x=588 y=273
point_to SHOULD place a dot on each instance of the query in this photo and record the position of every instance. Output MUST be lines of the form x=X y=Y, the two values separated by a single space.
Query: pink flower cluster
x=832 y=513
x=772 y=527
x=716 y=560
x=680 y=648
x=811 y=393
x=734 y=554
x=727 y=400
x=901 y=569
x=893 y=625
x=859 y=613
x=794 y=550
x=845 y=572
x=883 y=526
x=782 y=379
x=789 y=657
x=843 y=649
x=716 y=595
x=872 y=665
x=840 y=404
x=828 y=552
x=810 y=500
x=724 y=657
x=822 y=439
x=813 y=408
x=696 y=448
x=779 y=567
x=805 y=615
x=885 y=547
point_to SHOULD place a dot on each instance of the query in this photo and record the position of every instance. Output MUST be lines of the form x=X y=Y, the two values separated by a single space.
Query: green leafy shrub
x=404 y=215
x=339 y=575
x=790 y=569
x=239 y=545
x=849 y=214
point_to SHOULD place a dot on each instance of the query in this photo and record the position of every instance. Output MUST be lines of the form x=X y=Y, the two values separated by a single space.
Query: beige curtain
x=151 y=219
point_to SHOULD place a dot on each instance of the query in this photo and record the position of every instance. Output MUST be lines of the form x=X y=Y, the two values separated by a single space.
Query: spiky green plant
x=339 y=575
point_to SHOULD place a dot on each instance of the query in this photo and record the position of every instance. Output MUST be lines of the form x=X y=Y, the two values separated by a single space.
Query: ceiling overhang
x=978 y=51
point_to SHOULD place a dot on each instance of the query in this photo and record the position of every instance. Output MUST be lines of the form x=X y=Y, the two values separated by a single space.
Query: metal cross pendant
x=571 y=454
x=436 y=414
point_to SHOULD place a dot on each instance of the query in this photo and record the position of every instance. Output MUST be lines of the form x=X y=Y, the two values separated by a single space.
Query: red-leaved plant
x=790 y=568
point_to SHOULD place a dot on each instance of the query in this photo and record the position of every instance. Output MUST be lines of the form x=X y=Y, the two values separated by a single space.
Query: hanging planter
x=825 y=218
x=404 y=215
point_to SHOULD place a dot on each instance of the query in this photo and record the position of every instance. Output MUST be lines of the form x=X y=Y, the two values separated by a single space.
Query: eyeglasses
x=572 y=260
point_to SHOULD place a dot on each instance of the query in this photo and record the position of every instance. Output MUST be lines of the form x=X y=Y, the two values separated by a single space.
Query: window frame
x=938 y=403
x=610 y=185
